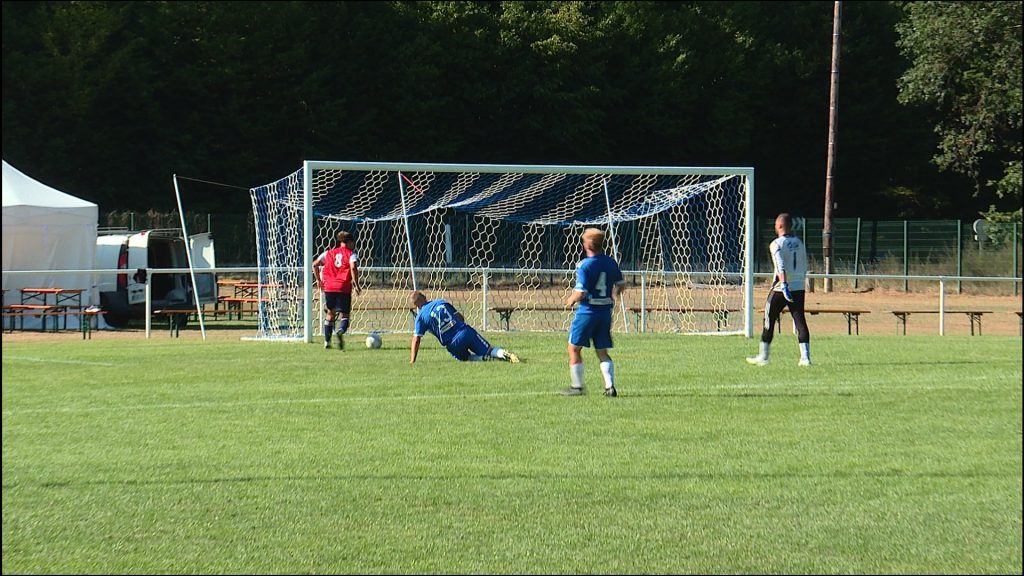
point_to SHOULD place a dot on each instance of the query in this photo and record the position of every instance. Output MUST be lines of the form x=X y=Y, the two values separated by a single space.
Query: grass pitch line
x=276 y=402
x=293 y=401
x=647 y=392
x=54 y=361
x=641 y=393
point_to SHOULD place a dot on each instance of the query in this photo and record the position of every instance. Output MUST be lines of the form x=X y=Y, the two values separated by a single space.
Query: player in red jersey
x=337 y=273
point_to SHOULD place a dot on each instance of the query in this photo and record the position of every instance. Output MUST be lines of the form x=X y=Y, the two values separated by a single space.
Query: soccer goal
x=501 y=242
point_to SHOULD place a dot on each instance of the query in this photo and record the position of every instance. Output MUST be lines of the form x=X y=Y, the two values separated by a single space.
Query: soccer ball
x=373 y=341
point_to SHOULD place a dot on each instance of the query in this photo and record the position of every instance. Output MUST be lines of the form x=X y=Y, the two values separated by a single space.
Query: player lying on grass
x=442 y=320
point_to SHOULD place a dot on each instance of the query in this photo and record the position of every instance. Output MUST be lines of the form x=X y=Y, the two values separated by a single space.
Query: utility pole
x=826 y=232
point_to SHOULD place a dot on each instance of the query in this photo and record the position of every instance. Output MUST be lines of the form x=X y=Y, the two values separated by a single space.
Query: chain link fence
x=905 y=247
x=898 y=247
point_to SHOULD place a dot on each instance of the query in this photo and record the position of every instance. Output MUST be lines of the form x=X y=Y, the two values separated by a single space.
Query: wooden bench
x=241 y=300
x=974 y=315
x=234 y=304
x=14 y=311
x=505 y=312
x=85 y=316
x=177 y=317
x=852 y=316
x=721 y=315
x=382 y=309
x=251 y=289
x=85 y=319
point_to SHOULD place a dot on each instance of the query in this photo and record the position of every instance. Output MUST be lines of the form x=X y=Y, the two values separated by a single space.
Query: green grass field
x=890 y=455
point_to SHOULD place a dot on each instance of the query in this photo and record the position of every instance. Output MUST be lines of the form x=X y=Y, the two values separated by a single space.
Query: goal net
x=501 y=242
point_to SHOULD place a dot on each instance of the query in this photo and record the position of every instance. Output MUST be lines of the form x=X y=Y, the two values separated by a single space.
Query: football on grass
x=373 y=341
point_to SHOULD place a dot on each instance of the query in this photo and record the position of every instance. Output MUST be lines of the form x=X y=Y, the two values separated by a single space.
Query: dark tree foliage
x=108 y=99
x=966 y=64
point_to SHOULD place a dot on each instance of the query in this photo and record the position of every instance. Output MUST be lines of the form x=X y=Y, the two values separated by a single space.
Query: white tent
x=46 y=229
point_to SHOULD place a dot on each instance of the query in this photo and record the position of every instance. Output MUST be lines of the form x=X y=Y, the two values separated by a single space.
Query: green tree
x=107 y=99
x=966 y=64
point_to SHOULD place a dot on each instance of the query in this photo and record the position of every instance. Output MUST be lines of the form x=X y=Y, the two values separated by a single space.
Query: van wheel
x=115 y=320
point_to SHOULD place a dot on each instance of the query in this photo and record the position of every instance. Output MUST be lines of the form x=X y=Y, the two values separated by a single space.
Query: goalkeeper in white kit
x=790 y=259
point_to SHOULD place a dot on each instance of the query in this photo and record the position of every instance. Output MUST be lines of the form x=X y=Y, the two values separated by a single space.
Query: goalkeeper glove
x=785 y=292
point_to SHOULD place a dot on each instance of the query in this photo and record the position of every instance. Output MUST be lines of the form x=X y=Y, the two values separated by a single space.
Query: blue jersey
x=596 y=276
x=440 y=319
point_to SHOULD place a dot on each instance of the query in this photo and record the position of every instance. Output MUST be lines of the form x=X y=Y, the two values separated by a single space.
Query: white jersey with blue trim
x=790 y=256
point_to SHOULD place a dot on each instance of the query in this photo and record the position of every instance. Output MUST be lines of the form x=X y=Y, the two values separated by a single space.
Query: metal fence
x=904 y=248
x=933 y=283
x=874 y=247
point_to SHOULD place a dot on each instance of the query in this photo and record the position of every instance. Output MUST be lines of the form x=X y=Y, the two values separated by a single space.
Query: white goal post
x=501 y=242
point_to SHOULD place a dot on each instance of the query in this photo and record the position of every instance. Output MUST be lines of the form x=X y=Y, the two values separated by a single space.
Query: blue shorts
x=468 y=342
x=596 y=327
x=338 y=301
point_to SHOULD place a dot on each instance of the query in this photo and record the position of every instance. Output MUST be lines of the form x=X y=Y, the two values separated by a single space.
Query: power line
x=214 y=183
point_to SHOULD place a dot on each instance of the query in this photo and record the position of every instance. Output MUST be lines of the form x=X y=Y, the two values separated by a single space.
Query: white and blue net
x=502 y=243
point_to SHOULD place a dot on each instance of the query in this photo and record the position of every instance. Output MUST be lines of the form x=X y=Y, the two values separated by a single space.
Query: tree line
x=107 y=100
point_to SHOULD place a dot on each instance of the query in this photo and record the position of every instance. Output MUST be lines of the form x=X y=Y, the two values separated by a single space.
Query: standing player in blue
x=598 y=282
x=441 y=319
x=790 y=259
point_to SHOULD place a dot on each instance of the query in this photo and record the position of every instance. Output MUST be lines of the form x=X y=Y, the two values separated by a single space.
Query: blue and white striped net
x=510 y=241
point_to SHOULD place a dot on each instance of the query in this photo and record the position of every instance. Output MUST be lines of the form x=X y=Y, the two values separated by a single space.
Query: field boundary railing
x=639 y=277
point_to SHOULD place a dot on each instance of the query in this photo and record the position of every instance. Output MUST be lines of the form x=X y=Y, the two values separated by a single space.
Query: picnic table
x=64 y=299
x=974 y=315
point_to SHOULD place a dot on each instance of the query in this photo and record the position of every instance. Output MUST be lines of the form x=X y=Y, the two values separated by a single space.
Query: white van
x=123 y=296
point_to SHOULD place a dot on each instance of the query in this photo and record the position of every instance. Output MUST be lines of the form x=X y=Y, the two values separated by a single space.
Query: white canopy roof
x=45 y=229
x=20 y=190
